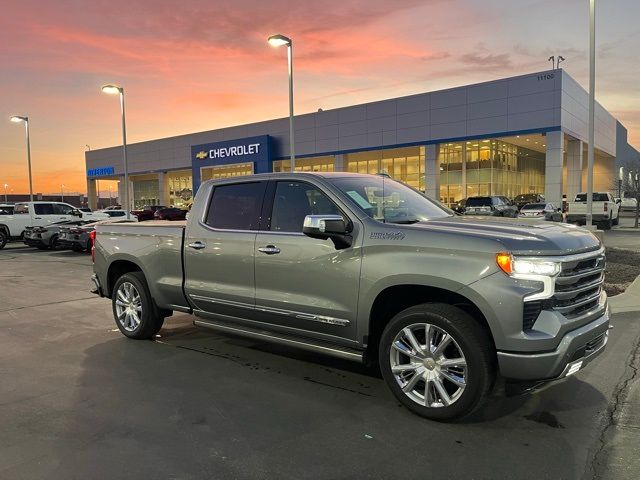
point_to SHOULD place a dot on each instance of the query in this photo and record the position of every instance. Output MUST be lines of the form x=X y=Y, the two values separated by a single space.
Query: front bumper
x=576 y=349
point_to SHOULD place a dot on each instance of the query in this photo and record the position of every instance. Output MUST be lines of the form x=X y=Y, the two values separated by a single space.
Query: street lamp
x=279 y=41
x=116 y=90
x=592 y=105
x=18 y=119
x=62 y=193
x=5 y=193
x=560 y=60
x=552 y=59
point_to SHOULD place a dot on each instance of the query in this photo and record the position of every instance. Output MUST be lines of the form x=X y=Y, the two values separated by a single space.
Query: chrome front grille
x=579 y=286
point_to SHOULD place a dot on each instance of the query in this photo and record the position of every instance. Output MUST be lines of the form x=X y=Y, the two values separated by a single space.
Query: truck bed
x=156 y=247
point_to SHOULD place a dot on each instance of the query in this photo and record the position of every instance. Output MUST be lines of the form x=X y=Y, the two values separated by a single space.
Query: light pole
x=5 y=193
x=114 y=89
x=278 y=41
x=592 y=102
x=552 y=59
x=560 y=59
x=18 y=119
x=109 y=195
x=62 y=193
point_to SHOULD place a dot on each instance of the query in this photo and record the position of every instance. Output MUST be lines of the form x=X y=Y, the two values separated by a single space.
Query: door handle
x=197 y=245
x=37 y=218
x=269 y=250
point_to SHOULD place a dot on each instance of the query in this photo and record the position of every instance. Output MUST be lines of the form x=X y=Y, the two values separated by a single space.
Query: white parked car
x=40 y=214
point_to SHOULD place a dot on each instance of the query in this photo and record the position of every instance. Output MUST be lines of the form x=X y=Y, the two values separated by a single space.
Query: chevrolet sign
x=235 y=151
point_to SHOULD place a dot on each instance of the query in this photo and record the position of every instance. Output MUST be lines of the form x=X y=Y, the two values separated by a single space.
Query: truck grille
x=579 y=285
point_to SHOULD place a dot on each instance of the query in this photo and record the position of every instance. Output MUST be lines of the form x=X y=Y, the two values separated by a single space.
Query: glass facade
x=180 y=186
x=224 y=171
x=313 y=164
x=488 y=167
x=405 y=164
x=145 y=192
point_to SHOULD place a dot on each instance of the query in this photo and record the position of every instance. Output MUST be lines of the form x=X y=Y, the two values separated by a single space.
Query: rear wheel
x=437 y=360
x=134 y=311
x=53 y=243
x=616 y=220
x=3 y=239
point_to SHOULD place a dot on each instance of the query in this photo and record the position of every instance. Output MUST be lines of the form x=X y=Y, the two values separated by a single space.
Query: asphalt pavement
x=78 y=400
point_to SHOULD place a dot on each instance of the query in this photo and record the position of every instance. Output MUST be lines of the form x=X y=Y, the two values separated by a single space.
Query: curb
x=629 y=301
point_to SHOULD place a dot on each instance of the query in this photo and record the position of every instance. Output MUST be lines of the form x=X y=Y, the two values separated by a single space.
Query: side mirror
x=76 y=213
x=323 y=227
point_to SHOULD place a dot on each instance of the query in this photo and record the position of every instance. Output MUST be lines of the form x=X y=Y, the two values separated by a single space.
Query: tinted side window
x=61 y=209
x=295 y=200
x=21 y=209
x=43 y=208
x=236 y=207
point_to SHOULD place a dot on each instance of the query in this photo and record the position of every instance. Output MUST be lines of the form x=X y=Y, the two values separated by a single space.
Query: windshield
x=534 y=206
x=389 y=201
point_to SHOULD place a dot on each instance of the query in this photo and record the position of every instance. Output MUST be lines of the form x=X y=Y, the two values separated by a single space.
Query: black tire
x=151 y=319
x=474 y=343
x=53 y=243
x=606 y=225
x=616 y=221
x=3 y=239
x=76 y=248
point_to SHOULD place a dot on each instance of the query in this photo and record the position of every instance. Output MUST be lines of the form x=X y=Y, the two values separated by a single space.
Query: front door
x=305 y=285
x=218 y=258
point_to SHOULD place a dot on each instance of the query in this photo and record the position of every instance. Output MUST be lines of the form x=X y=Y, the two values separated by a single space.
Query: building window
x=403 y=164
x=180 y=186
x=145 y=192
x=314 y=164
x=224 y=171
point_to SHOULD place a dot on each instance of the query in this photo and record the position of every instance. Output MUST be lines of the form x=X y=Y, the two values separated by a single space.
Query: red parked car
x=147 y=212
x=169 y=213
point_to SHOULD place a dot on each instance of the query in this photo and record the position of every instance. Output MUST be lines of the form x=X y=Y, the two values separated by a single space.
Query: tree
x=630 y=183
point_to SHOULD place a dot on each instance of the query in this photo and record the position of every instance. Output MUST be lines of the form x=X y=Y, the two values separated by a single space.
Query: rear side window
x=43 y=208
x=21 y=209
x=236 y=207
x=479 y=202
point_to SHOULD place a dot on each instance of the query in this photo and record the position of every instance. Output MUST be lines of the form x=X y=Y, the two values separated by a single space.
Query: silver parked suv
x=365 y=268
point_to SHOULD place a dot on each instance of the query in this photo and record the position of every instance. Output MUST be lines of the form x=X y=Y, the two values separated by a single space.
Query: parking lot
x=79 y=400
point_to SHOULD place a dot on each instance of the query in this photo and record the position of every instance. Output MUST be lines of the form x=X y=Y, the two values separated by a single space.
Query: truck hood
x=544 y=238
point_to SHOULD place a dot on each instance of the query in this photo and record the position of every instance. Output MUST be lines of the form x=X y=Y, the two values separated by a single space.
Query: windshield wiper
x=407 y=221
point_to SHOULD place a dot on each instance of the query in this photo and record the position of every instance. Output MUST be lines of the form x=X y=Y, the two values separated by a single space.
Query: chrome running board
x=282 y=339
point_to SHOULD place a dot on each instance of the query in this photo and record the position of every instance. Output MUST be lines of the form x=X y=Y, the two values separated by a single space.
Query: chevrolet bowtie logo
x=202 y=154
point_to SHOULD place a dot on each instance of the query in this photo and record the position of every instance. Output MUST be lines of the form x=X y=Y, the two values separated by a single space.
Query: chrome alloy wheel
x=428 y=365
x=128 y=306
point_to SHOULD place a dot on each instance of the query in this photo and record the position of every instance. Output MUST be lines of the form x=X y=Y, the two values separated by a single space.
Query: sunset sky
x=189 y=66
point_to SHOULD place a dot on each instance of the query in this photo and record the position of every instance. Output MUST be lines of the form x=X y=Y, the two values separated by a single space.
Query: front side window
x=295 y=200
x=62 y=209
x=388 y=201
x=236 y=207
x=43 y=208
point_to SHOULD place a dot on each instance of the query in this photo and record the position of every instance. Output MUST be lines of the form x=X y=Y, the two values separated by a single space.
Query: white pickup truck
x=606 y=211
x=40 y=214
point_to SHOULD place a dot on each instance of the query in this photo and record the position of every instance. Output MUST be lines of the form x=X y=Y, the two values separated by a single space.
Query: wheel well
x=393 y=300
x=5 y=229
x=116 y=270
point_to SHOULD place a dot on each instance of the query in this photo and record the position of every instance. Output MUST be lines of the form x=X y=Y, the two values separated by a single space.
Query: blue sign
x=255 y=150
x=101 y=171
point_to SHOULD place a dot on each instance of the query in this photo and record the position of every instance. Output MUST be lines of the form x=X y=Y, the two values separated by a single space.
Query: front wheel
x=134 y=311
x=437 y=360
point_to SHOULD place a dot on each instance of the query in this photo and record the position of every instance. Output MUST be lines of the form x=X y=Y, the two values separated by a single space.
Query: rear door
x=218 y=256
x=303 y=284
x=45 y=214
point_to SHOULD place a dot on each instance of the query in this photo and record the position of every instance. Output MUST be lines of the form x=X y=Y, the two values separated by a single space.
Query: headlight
x=514 y=266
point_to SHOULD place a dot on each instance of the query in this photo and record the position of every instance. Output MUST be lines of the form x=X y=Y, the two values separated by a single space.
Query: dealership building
x=524 y=134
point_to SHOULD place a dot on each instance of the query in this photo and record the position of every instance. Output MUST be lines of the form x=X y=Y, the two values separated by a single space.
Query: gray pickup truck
x=365 y=268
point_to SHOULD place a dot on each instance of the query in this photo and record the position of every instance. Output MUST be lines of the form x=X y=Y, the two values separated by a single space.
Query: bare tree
x=630 y=184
